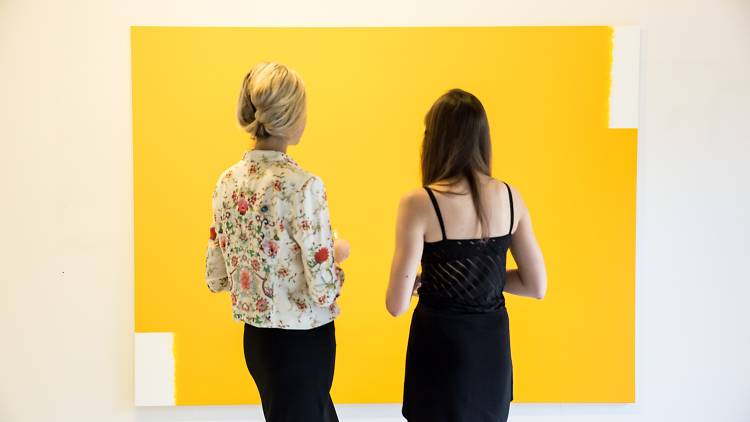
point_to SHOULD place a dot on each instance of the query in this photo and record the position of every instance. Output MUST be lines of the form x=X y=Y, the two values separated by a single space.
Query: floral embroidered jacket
x=271 y=244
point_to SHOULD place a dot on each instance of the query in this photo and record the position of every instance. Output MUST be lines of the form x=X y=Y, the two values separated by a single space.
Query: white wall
x=66 y=313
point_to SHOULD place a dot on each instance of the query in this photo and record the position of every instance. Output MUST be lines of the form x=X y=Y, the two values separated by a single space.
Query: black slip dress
x=458 y=363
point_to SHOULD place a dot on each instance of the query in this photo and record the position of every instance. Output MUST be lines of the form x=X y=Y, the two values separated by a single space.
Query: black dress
x=458 y=363
x=293 y=370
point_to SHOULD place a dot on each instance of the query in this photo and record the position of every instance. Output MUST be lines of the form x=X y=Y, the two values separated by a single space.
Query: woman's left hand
x=417 y=285
x=341 y=250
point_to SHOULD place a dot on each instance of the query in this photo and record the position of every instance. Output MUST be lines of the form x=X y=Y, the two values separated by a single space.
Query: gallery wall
x=66 y=304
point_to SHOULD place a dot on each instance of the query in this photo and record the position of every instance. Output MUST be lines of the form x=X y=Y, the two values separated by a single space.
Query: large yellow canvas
x=547 y=95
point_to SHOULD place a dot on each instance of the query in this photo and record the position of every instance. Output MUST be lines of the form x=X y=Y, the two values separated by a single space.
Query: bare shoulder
x=414 y=202
x=519 y=205
x=412 y=211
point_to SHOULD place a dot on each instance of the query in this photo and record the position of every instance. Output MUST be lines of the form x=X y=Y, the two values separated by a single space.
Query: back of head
x=456 y=144
x=272 y=101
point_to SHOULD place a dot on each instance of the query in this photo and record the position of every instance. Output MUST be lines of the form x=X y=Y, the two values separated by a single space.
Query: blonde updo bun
x=272 y=101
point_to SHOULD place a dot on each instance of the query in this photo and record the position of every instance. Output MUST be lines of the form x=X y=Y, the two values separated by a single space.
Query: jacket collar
x=267 y=155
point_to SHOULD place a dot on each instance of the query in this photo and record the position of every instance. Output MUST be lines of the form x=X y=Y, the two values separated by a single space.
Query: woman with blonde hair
x=271 y=247
x=460 y=225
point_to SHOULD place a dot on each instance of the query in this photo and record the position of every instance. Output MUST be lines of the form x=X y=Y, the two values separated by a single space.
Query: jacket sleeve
x=311 y=229
x=217 y=278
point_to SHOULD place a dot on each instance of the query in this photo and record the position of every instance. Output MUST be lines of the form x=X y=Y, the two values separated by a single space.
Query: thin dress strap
x=510 y=197
x=437 y=210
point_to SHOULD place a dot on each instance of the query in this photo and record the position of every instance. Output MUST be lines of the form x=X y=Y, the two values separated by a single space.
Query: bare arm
x=406 y=256
x=530 y=279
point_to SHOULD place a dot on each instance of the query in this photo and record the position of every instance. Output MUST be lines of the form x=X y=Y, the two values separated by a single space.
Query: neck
x=272 y=144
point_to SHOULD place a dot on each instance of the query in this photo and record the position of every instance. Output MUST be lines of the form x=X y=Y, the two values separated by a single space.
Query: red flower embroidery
x=321 y=255
x=277 y=185
x=271 y=248
x=245 y=307
x=261 y=305
x=305 y=225
x=223 y=242
x=245 y=279
x=213 y=233
x=255 y=264
x=242 y=206
x=235 y=261
x=282 y=272
x=234 y=299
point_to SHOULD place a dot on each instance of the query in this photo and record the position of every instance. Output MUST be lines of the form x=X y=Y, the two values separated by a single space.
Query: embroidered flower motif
x=261 y=305
x=242 y=206
x=234 y=299
x=321 y=255
x=223 y=242
x=245 y=279
x=305 y=225
x=283 y=272
x=270 y=248
x=213 y=233
x=256 y=265
x=235 y=260
x=253 y=199
x=245 y=307
x=277 y=186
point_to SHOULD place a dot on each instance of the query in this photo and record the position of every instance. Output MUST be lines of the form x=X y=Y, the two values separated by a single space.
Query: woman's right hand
x=340 y=250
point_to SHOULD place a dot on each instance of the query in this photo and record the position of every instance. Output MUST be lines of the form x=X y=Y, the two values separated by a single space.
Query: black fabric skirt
x=458 y=367
x=293 y=370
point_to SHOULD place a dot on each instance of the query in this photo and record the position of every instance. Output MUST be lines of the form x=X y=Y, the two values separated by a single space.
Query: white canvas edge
x=154 y=369
x=623 y=94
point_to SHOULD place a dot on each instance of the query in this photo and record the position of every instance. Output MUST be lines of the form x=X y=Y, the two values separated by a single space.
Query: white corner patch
x=623 y=92
x=154 y=369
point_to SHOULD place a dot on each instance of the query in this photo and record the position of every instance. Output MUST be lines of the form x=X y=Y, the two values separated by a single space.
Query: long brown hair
x=457 y=146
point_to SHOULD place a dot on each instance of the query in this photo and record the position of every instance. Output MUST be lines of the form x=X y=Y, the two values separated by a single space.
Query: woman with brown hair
x=461 y=225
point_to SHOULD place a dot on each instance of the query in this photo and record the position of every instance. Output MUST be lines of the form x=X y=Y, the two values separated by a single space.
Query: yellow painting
x=547 y=92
